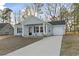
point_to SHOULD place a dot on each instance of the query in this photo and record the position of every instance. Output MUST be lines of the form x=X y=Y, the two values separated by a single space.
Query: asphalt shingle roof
x=2 y=25
x=57 y=22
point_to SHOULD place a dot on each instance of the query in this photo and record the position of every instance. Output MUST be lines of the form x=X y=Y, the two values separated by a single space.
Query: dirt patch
x=70 y=45
x=12 y=43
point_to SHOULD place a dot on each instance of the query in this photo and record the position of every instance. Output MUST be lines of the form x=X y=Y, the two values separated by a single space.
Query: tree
x=25 y=12
x=6 y=15
x=63 y=13
x=1 y=16
x=66 y=14
x=75 y=13
x=51 y=10
x=33 y=9
x=37 y=8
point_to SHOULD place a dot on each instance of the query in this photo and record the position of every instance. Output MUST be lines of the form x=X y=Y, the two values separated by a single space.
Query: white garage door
x=58 y=30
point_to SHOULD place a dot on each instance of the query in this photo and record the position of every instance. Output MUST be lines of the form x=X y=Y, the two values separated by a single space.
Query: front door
x=30 y=30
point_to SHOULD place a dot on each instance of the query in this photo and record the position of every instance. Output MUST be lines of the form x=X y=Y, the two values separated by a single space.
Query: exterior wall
x=7 y=30
x=15 y=29
x=55 y=29
x=49 y=29
x=45 y=29
x=26 y=31
x=58 y=29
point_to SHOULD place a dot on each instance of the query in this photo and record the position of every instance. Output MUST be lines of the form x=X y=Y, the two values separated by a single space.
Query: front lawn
x=11 y=43
x=70 y=45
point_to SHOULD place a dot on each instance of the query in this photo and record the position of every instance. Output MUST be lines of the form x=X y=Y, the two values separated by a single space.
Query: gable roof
x=3 y=25
x=57 y=22
x=32 y=20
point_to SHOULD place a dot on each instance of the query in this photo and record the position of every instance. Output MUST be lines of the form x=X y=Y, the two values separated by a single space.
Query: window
x=41 y=29
x=30 y=29
x=36 y=29
x=19 y=30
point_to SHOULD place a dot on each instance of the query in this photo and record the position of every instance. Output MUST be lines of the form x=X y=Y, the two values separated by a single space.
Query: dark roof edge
x=57 y=22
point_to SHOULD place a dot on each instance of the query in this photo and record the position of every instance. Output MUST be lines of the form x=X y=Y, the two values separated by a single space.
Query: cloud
x=2 y=2
x=2 y=7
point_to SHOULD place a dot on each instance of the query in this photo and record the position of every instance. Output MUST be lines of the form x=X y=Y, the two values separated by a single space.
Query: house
x=6 y=29
x=33 y=26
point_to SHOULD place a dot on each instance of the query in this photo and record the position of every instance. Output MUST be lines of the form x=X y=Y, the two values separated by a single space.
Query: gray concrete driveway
x=49 y=46
x=10 y=43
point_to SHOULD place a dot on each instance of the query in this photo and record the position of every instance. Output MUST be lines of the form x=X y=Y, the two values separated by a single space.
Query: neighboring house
x=33 y=26
x=6 y=29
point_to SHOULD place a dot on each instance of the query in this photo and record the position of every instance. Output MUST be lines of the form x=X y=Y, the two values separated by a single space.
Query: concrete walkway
x=49 y=46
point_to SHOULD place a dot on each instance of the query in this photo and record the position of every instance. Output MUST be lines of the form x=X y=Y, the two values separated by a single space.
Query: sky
x=16 y=6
